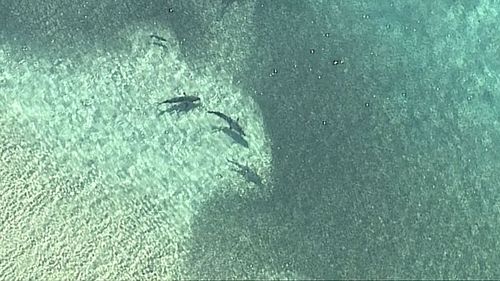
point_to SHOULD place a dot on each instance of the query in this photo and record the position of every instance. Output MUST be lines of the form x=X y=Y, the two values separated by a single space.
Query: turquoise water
x=380 y=121
x=98 y=181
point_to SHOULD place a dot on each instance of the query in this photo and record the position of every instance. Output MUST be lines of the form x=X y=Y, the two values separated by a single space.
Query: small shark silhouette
x=159 y=41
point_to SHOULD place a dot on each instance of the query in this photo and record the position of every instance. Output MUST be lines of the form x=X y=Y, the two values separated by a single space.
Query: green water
x=375 y=126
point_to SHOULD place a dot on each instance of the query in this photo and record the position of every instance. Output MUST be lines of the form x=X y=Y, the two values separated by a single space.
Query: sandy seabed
x=96 y=182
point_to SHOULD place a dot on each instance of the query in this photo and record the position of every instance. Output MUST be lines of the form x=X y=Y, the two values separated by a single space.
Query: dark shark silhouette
x=247 y=173
x=233 y=124
x=181 y=99
x=236 y=137
x=182 y=103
